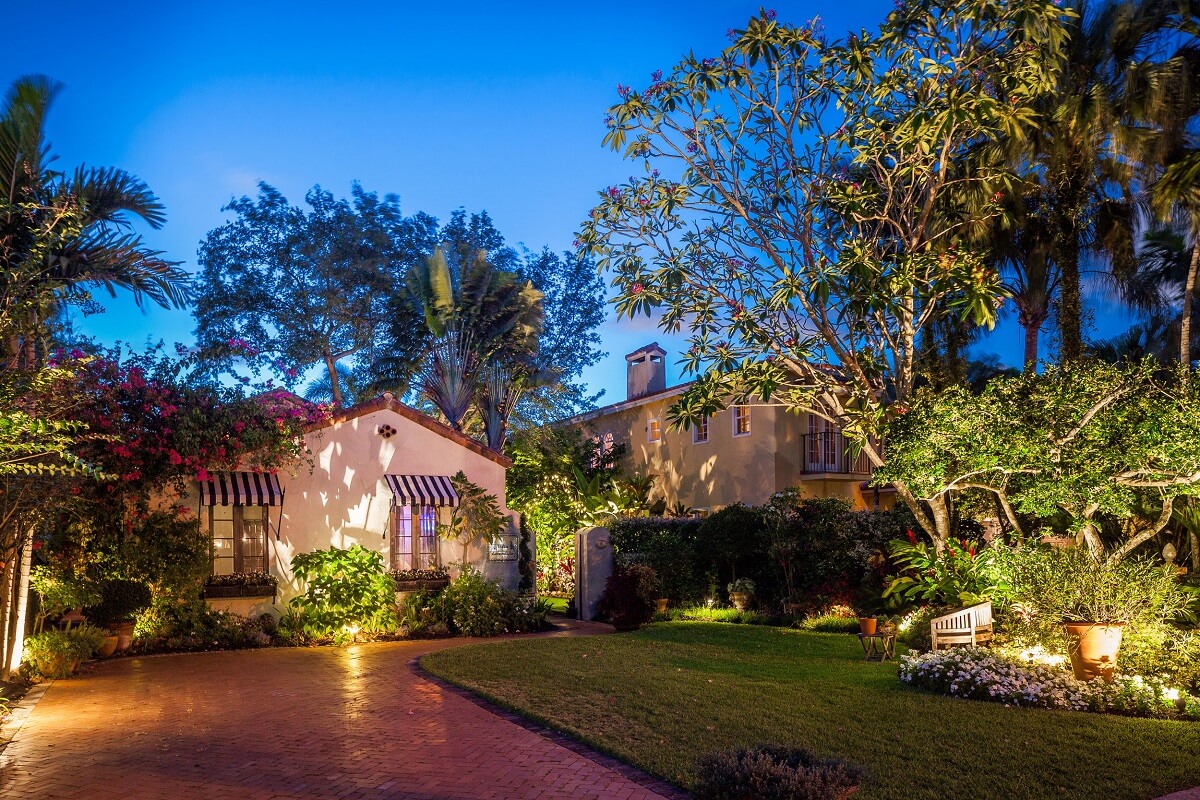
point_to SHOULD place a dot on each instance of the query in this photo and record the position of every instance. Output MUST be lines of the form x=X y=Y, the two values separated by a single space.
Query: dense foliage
x=471 y=606
x=345 y=592
x=628 y=597
x=57 y=654
x=1110 y=448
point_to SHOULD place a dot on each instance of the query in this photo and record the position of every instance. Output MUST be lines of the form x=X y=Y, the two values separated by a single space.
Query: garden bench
x=971 y=625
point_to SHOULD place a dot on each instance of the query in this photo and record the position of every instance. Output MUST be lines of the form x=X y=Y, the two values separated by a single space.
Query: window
x=700 y=431
x=654 y=431
x=741 y=420
x=415 y=545
x=239 y=538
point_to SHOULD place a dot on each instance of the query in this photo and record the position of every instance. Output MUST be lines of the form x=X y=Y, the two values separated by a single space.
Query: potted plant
x=867 y=624
x=886 y=625
x=120 y=601
x=741 y=592
x=629 y=596
x=660 y=605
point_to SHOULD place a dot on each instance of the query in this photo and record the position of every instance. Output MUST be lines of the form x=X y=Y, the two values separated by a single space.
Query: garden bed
x=665 y=696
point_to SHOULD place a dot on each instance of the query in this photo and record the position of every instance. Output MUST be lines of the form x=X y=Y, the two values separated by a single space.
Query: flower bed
x=985 y=675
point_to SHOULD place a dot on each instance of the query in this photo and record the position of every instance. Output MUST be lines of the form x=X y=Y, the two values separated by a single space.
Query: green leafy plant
x=741 y=586
x=345 y=592
x=477 y=517
x=773 y=772
x=59 y=590
x=431 y=574
x=963 y=574
x=473 y=606
x=1068 y=585
x=57 y=654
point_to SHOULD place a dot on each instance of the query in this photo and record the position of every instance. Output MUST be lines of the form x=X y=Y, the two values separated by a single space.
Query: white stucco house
x=380 y=477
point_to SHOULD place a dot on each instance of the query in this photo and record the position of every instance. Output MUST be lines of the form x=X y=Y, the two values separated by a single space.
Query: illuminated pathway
x=287 y=723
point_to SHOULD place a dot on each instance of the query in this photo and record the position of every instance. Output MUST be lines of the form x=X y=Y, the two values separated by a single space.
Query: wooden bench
x=970 y=626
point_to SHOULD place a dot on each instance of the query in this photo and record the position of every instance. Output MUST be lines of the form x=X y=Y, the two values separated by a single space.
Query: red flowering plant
x=163 y=426
x=965 y=573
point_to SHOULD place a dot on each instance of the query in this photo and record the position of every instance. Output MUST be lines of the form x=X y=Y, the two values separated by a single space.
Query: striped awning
x=422 y=490
x=241 y=489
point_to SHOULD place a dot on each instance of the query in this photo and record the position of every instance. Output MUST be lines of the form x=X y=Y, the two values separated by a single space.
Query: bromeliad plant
x=345 y=592
x=962 y=575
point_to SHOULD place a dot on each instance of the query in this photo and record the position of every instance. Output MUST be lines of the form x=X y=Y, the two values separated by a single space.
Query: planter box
x=417 y=586
x=255 y=590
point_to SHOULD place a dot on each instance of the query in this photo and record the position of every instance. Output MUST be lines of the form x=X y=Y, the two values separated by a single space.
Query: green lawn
x=662 y=697
x=557 y=604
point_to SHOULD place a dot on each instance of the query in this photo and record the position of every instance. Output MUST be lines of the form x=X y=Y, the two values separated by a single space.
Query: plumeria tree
x=805 y=201
x=1109 y=449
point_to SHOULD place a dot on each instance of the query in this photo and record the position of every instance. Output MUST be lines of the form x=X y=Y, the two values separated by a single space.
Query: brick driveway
x=285 y=723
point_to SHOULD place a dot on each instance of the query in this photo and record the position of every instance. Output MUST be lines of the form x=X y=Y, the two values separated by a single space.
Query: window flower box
x=245 y=584
x=416 y=580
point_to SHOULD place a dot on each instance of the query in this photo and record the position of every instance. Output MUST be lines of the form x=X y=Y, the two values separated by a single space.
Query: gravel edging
x=643 y=779
x=20 y=713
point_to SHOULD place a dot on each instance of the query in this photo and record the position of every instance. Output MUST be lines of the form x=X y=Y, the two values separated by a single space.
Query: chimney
x=646 y=370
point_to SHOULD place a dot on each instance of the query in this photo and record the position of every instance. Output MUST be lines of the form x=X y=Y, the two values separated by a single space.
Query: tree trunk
x=1189 y=294
x=940 y=508
x=1070 y=306
x=335 y=389
x=1032 y=333
x=7 y=594
x=1194 y=538
x=16 y=649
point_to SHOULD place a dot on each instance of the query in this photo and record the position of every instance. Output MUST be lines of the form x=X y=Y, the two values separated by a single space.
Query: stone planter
x=660 y=605
x=740 y=600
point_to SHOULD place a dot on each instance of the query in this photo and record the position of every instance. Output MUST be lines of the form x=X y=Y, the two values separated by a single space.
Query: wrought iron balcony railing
x=831 y=451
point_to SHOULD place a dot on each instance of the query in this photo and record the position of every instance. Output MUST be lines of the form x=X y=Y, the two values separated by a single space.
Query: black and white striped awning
x=241 y=489
x=422 y=490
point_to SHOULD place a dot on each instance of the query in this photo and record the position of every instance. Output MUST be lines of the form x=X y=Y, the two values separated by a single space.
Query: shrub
x=741 y=586
x=773 y=772
x=828 y=623
x=988 y=675
x=120 y=601
x=431 y=574
x=703 y=613
x=59 y=591
x=629 y=595
x=472 y=606
x=56 y=654
x=188 y=625
x=345 y=591
x=668 y=545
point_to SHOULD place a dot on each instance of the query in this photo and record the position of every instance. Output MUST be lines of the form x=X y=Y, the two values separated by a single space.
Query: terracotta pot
x=660 y=605
x=124 y=631
x=740 y=600
x=109 y=647
x=867 y=625
x=1093 y=647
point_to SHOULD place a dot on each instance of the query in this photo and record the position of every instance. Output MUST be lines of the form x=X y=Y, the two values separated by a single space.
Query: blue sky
x=490 y=106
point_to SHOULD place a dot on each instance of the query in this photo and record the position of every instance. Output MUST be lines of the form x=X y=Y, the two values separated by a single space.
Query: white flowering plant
x=980 y=674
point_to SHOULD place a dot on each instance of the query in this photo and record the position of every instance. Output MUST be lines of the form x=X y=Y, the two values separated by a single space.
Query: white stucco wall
x=345 y=500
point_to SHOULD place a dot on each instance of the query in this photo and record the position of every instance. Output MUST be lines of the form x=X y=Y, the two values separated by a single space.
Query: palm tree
x=1119 y=105
x=91 y=209
x=1175 y=194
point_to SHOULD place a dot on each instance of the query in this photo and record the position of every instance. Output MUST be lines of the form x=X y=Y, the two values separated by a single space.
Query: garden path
x=294 y=723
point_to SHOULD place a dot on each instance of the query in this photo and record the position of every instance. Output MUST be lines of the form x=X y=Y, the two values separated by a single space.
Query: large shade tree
x=804 y=205
x=288 y=288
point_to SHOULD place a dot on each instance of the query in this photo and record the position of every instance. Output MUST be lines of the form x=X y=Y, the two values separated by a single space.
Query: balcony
x=831 y=452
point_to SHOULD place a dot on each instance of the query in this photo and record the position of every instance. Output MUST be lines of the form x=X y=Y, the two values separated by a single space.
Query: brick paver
x=285 y=723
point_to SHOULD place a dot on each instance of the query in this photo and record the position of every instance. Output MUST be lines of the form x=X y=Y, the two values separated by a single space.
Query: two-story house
x=743 y=454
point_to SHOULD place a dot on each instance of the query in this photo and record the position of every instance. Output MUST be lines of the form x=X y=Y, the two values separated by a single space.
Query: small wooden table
x=878 y=646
